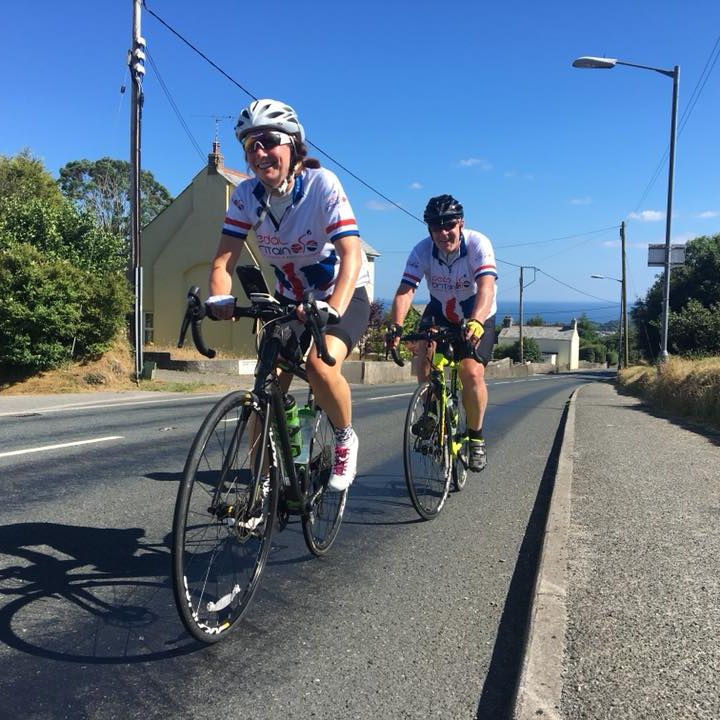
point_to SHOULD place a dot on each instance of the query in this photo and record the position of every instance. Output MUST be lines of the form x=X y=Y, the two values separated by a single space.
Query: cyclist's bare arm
x=484 y=298
x=221 y=270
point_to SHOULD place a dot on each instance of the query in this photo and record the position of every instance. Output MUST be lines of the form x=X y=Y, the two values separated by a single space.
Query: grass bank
x=690 y=388
x=114 y=371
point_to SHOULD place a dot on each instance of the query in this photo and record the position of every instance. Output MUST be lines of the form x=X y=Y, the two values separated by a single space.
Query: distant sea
x=551 y=311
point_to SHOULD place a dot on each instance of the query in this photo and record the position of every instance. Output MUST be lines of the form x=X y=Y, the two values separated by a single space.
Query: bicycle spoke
x=426 y=456
x=325 y=511
x=222 y=525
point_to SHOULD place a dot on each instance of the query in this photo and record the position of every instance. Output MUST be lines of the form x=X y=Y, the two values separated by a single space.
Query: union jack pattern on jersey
x=300 y=245
x=452 y=288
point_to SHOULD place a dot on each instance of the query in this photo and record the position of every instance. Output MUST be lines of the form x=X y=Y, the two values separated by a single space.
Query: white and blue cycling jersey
x=452 y=284
x=300 y=245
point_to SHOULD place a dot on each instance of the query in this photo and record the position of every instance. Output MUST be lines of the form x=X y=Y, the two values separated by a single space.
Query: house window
x=149 y=329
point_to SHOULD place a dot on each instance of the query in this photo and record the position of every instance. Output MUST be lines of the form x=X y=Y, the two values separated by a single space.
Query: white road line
x=106 y=404
x=387 y=397
x=61 y=445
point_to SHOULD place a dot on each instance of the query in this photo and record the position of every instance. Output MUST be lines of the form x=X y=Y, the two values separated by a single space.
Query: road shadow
x=88 y=595
x=498 y=695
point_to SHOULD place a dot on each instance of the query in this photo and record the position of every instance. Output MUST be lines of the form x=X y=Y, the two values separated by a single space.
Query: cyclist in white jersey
x=459 y=267
x=306 y=230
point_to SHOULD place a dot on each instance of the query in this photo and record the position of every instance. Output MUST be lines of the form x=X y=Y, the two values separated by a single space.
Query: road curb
x=540 y=684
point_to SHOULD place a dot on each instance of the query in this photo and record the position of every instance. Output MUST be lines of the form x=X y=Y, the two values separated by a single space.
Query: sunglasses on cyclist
x=447 y=225
x=267 y=140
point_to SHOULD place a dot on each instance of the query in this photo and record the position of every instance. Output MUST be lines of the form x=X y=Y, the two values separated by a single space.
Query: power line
x=247 y=92
x=582 y=292
x=685 y=115
x=174 y=106
x=563 y=237
x=347 y=170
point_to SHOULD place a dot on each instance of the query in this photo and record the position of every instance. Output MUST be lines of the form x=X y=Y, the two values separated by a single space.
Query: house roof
x=538 y=332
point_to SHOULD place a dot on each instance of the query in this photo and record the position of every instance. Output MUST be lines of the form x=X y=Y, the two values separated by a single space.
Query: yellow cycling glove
x=475 y=328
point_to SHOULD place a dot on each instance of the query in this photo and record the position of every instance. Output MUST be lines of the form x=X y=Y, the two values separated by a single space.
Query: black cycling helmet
x=442 y=209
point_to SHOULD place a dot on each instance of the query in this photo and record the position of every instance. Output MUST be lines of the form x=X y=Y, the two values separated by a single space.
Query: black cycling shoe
x=477 y=455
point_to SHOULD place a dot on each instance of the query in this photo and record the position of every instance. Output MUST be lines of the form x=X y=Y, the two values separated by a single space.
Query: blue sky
x=418 y=98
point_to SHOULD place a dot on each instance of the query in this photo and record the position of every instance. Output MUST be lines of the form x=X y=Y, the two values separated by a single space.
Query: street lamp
x=623 y=329
x=608 y=64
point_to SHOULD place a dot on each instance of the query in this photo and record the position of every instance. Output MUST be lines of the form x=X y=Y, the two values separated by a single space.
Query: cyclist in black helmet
x=459 y=267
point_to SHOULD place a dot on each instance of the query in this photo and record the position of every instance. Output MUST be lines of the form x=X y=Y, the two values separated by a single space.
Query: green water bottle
x=293 y=424
x=307 y=423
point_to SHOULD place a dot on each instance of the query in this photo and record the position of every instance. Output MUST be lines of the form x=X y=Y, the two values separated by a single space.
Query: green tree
x=102 y=188
x=24 y=177
x=58 y=231
x=699 y=280
x=61 y=279
x=531 y=351
x=536 y=321
x=374 y=338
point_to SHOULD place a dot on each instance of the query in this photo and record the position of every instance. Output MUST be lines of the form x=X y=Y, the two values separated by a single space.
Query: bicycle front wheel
x=223 y=520
x=460 y=448
x=325 y=508
x=426 y=455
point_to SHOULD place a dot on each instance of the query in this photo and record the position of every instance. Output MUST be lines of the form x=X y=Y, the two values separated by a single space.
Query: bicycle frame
x=447 y=388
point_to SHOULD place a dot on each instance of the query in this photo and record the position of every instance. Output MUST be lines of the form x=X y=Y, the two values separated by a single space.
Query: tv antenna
x=218 y=119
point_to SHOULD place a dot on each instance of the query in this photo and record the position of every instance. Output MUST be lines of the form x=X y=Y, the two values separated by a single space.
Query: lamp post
x=608 y=64
x=622 y=330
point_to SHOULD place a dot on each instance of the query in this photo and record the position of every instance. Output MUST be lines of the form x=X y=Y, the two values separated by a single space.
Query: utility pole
x=522 y=314
x=623 y=303
x=136 y=62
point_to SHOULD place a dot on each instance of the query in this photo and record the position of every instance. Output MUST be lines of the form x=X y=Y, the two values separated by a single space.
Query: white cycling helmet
x=268 y=114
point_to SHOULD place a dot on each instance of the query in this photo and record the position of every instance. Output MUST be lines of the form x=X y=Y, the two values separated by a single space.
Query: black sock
x=475 y=434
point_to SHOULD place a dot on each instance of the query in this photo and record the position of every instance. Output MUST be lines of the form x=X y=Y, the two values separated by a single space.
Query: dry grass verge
x=690 y=388
x=113 y=372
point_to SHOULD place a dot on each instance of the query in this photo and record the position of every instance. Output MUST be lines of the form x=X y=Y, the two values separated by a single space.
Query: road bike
x=242 y=478
x=435 y=447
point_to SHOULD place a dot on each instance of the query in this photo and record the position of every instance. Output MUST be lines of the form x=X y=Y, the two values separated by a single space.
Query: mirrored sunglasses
x=267 y=140
x=446 y=225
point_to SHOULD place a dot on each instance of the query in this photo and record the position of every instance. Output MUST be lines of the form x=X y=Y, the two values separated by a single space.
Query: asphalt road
x=403 y=619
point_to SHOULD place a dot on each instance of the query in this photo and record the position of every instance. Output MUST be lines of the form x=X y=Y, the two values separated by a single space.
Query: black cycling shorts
x=482 y=353
x=352 y=326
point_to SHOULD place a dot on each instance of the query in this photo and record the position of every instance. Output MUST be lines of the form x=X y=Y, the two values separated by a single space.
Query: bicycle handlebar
x=432 y=334
x=263 y=307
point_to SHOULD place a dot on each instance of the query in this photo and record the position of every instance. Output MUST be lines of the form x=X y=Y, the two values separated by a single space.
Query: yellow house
x=177 y=248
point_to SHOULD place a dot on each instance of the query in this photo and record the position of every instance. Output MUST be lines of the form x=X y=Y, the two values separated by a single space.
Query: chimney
x=507 y=321
x=216 y=161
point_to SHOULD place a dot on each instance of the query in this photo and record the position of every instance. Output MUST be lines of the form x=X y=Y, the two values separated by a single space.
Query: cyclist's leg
x=332 y=391
x=475 y=393
x=423 y=355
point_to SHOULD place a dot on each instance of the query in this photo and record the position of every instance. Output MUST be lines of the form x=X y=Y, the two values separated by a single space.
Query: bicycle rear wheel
x=426 y=457
x=223 y=522
x=460 y=438
x=322 y=521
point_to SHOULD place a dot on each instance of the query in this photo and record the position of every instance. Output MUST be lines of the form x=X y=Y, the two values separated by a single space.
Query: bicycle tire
x=217 y=561
x=324 y=514
x=460 y=460
x=426 y=460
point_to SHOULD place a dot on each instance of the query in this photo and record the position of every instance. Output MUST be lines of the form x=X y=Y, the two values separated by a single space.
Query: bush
x=531 y=351
x=53 y=312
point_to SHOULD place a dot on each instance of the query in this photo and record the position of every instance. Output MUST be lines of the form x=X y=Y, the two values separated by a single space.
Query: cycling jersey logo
x=239 y=204
x=448 y=283
x=303 y=246
x=333 y=200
